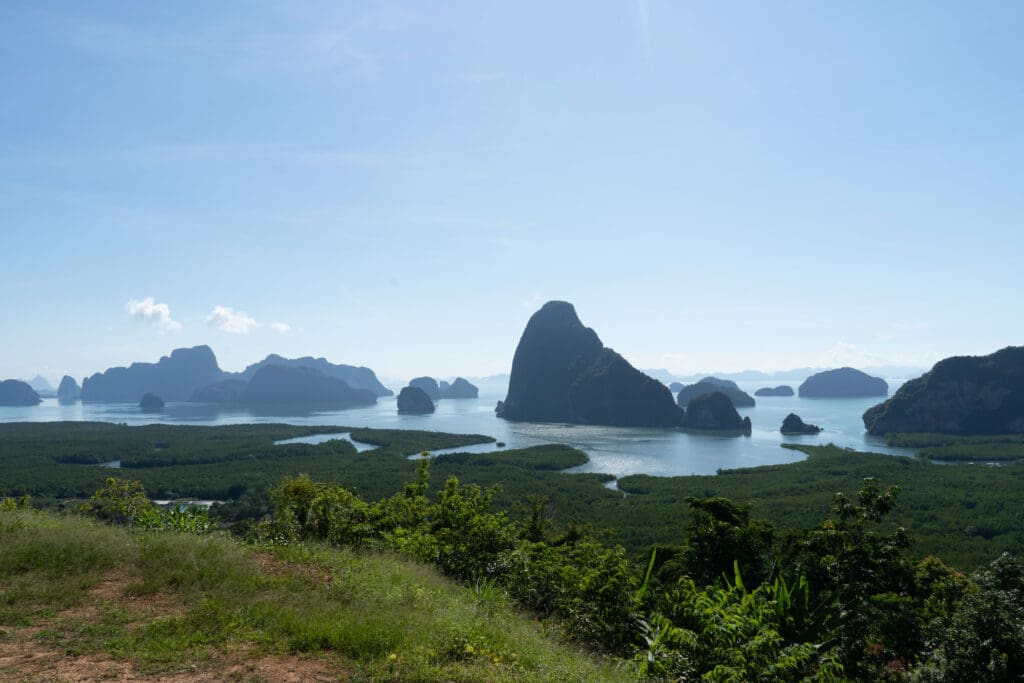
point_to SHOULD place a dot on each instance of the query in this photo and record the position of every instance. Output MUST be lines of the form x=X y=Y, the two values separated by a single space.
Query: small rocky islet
x=151 y=403
x=714 y=412
x=739 y=398
x=413 y=400
x=793 y=424
x=843 y=383
x=781 y=390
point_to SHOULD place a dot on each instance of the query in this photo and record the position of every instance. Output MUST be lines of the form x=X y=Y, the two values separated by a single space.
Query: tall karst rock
x=561 y=372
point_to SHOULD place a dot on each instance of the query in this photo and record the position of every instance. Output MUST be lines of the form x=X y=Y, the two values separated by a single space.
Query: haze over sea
x=617 y=451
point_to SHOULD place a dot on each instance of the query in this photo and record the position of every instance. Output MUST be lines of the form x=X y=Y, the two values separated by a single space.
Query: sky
x=715 y=186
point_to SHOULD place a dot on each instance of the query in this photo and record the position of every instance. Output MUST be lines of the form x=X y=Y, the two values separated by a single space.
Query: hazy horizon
x=54 y=379
x=716 y=188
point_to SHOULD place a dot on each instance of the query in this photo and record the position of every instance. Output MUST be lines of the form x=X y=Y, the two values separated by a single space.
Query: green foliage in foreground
x=592 y=590
x=841 y=599
x=195 y=605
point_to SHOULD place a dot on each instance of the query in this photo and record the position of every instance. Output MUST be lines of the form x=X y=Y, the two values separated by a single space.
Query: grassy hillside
x=84 y=601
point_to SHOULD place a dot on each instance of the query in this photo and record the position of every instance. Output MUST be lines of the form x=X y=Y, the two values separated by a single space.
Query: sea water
x=617 y=451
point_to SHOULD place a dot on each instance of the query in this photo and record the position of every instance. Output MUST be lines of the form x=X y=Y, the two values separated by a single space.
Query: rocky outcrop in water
x=302 y=386
x=414 y=401
x=794 y=425
x=843 y=383
x=428 y=385
x=781 y=390
x=739 y=398
x=354 y=377
x=460 y=388
x=68 y=391
x=562 y=373
x=151 y=403
x=961 y=395
x=14 y=392
x=174 y=377
x=714 y=412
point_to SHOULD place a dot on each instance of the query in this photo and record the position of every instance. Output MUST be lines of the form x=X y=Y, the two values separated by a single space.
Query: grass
x=111 y=602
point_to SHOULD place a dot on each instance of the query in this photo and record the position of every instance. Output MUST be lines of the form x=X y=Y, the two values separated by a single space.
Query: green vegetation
x=945 y=447
x=112 y=603
x=966 y=514
x=709 y=588
x=50 y=460
x=840 y=599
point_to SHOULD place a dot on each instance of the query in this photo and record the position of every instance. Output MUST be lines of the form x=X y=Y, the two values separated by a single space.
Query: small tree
x=121 y=501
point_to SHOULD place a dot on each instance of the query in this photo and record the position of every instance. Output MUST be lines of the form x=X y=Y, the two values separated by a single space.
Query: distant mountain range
x=794 y=374
x=194 y=372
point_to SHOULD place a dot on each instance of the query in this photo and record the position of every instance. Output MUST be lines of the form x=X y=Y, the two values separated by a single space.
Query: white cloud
x=150 y=312
x=843 y=354
x=229 y=320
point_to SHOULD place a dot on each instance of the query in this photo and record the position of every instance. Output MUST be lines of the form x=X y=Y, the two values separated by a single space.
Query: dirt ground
x=26 y=657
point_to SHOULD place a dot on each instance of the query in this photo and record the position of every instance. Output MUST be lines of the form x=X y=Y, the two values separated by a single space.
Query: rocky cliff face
x=355 y=377
x=843 y=383
x=562 y=373
x=428 y=385
x=414 y=401
x=284 y=385
x=227 y=392
x=739 y=398
x=461 y=388
x=794 y=425
x=714 y=412
x=68 y=391
x=960 y=395
x=173 y=377
x=14 y=392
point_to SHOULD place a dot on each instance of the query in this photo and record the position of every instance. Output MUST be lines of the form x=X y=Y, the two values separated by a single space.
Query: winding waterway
x=612 y=450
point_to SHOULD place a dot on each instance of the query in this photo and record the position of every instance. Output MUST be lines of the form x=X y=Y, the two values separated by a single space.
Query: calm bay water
x=612 y=450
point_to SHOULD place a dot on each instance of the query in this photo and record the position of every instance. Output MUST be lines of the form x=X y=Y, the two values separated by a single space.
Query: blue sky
x=716 y=186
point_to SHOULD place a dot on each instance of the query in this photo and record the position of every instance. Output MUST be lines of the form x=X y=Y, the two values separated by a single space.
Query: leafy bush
x=123 y=501
x=982 y=637
x=728 y=633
